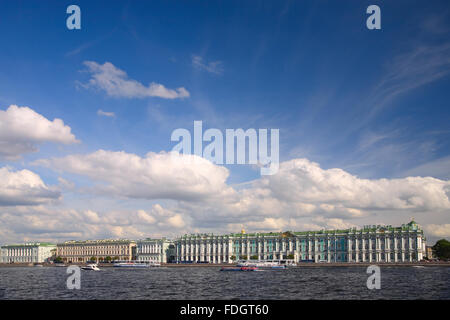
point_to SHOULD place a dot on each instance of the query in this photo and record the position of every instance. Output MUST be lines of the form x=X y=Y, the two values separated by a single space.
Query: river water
x=201 y=283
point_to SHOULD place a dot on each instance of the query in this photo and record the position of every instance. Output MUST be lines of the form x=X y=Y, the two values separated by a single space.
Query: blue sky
x=373 y=103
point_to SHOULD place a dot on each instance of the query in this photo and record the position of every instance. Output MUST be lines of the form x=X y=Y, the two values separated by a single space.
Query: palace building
x=370 y=244
x=155 y=250
x=27 y=253
x=96 y=250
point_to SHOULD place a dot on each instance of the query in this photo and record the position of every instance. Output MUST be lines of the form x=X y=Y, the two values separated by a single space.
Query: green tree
x=254 y=258
x=92 y=259
x=108 y=259
x=442 y=249
x=233 y=258
x=58 y=260
x=290 y=256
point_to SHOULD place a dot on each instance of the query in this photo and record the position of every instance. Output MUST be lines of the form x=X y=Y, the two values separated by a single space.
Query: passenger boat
x=262 y=264
x=91 y=267
x=135 y=264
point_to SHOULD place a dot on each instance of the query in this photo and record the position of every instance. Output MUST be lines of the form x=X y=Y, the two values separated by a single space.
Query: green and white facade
x=27 y=253
x=369 y=244
x=154 y=250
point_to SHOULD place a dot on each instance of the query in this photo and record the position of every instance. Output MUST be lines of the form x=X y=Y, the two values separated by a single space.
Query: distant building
x=27 y=253
x=429 y=253
x=369 y=244
x=155 y=250
x=97 y=250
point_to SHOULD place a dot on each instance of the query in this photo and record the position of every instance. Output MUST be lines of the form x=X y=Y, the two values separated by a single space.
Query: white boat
x=135 y=264
x=268 y=264
x=91 y=267
x=60 y=265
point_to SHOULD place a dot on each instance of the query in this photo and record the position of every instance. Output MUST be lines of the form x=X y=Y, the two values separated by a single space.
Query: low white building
x=155 y=250
x=27 y=253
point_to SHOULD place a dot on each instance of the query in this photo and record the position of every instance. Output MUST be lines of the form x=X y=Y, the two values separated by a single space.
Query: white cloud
x=212 y=67
x=115 y=83
x=106 y=114
x=300 y=180
x=301 y=196
x=45 y=223
x=92 y=216
x=333 y=223
x=436 y=168
x=23 y=188
x=156 y=176
x=65 y=184
x=438 y=230
x=145 y=217
x=22 y=130
x=176 y=221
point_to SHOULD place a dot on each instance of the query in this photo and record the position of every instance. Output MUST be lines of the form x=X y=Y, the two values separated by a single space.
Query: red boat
x=239 y=269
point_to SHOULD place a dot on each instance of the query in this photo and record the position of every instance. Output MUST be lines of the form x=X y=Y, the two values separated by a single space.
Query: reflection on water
x=209 y=283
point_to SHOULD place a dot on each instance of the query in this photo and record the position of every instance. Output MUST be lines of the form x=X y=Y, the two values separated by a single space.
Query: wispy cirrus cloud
x=115 y=83
x=106 y=114
x=423 y=65
x=215 y=67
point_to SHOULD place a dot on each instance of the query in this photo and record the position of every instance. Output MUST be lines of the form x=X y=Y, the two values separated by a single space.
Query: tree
x=290 y=256
x=108 y=259
x=254 y=258
x=442 y=249
x=58 y=260
x=233 y=258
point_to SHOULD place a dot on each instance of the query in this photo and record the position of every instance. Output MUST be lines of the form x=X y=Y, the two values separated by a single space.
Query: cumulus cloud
x=24 y=188
x=301 y=196
x=301 y=180
x=438 y=230
x=333 y=223
x=176 y=221
x=115 y=83
x=155 y=176
x=144 y=217
x=22 y=130
x=211 y=67
x=45 y=223
x=161 y=217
